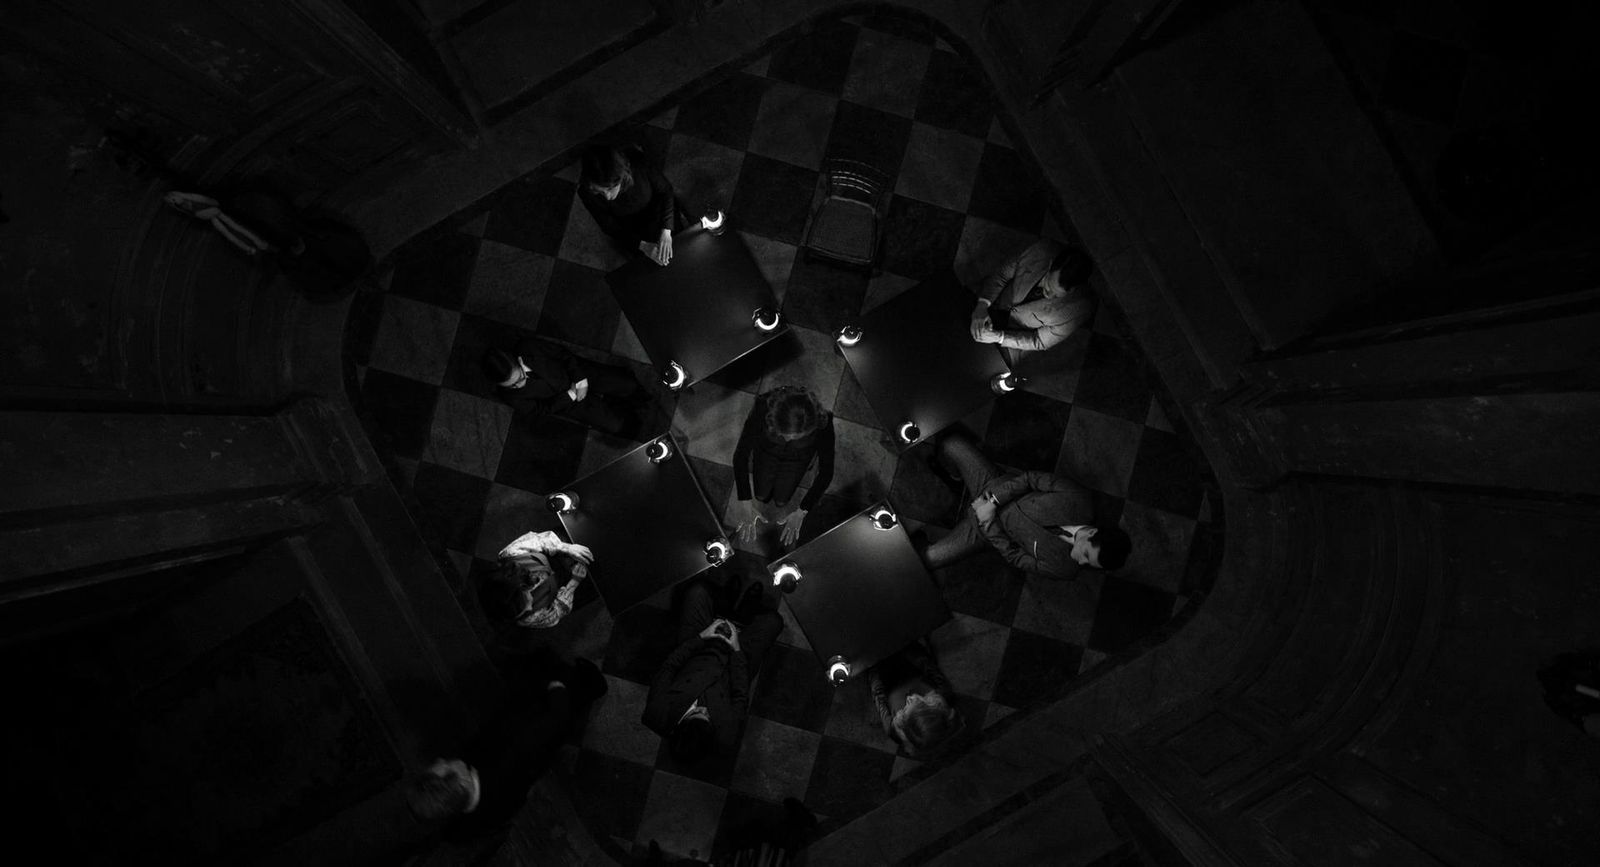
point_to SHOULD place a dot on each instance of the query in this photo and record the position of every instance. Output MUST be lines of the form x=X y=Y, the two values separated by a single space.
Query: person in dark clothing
x=915 y=702
x=540 y=377
x=787 y=431
x=481 y=791
x=631 y=200
x=699 y=697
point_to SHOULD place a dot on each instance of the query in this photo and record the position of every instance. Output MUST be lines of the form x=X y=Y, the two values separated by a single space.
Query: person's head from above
x=503 y=369
x=449 y=787
x=520 y=588
x=926 y=722
x=1071 y=267
x=1106 y=548
x=691 y=738
x=793 y=413
x=606 y=171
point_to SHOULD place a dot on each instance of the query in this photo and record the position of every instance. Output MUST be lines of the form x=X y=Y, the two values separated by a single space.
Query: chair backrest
x=854 y=179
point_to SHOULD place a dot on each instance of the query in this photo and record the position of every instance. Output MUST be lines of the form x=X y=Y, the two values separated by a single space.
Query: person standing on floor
x=785 y=434
x=1040 y=523
x=699 y=698
x=539 y=377
x=1036 y=300
x=631 y=199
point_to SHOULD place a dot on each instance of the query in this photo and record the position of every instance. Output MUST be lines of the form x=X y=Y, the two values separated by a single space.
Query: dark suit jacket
x=551 y=371
x=709 y=670
x=1030 y=506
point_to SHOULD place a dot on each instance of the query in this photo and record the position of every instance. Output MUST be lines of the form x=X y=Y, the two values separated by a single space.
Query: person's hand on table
x=579 y=390
x=747 y=521
x=984 y=508
x=581 y=553
x=663 y=255
x=980 y=320
x=791 y=527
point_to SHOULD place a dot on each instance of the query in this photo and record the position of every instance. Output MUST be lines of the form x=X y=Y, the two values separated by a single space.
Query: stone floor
x=528 y=259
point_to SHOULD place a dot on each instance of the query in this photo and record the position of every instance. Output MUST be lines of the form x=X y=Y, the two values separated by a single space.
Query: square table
x=863 y=593
x=697 y=310
x=917 y=362
x=647 y=524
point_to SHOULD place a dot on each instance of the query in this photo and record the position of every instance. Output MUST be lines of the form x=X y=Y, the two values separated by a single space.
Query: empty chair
x=845 y=226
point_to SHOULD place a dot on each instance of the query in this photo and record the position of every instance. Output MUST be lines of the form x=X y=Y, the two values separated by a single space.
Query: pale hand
x=663 y=254
x=749 y=523
x=581 y=553
x=791 y=527
x=724 y=630
x=580 y=390
x=986 y=334
x=984 y=508
x=980 y=321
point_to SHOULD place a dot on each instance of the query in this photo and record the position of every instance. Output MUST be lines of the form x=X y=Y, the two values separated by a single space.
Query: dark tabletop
x=646 y=523
x=865 y=593
x=917 y=361
x=696 y=311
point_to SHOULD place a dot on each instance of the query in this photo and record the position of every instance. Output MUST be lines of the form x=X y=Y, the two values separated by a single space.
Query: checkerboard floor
x=530 y=260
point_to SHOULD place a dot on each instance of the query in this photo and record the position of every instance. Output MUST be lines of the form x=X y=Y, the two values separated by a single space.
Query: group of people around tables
x=1040 y=523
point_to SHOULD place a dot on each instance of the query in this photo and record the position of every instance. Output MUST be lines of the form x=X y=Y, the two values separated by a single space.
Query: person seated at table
x=1040 y=523
x=915 y=702
x=786 y=432
x=523 y=590
x=539 y=377
x=630 y=199
x=1036 y=299
x=699 y=697
x=482 y=789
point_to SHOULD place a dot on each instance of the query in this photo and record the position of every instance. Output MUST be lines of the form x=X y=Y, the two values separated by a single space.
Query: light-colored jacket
x=530 y=552
x=1045 y=321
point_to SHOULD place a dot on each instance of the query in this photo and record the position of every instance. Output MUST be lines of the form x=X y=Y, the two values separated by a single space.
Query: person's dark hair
x=603 y=165
x=432 y=796
x=1112 y=547
x=691 y=739
x=1074 y=264
x=793 y=412
x=926 y=729
x=497 y=364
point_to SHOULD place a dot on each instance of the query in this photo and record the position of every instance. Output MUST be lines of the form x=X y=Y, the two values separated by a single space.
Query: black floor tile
x=542 y=453
x=982 y=585
x=400 y=412
x=1127 y=612
x=531 y=213
x=1112 y=380
x=641 y=638
x=361 y=326
x=437 y=270
x=1025 y=430
x=714 y=767
x=610 y=793
x=1424 y=77
x=773 y=198
x=920 y=239
x=1035 y=669
x=747 y=821
x=851 y=402
x=725 y=112
x=868 y=135
x=716 y=480
x=579 y=307
x=450 y=506
x=475 y=336
x=955 y=96
x=819 y=59
x=848 y=779
x=823 y=295
x=905 y=28
x=1007 y=191
x=1107 y=508
x=1166 y=475
x=793 y=690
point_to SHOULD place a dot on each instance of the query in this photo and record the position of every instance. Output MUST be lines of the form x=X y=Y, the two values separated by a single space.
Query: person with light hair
x=915 y=702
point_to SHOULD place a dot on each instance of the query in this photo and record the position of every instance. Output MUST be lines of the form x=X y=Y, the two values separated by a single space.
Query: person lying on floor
x=1040 y=523
x=540 y=377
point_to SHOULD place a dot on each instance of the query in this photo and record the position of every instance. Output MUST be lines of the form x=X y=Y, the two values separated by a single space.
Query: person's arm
x=824 y=477
x=1004 y=489
x=748 y=437
x=550 y=376
x=1045 y=336
x=533 y=542
x=880 y=700
x=655 y=709
x=997 y=282
x=551 y=614
x=600 y=210
x=661 y=199
x=1015 y=554
x=739 y=680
